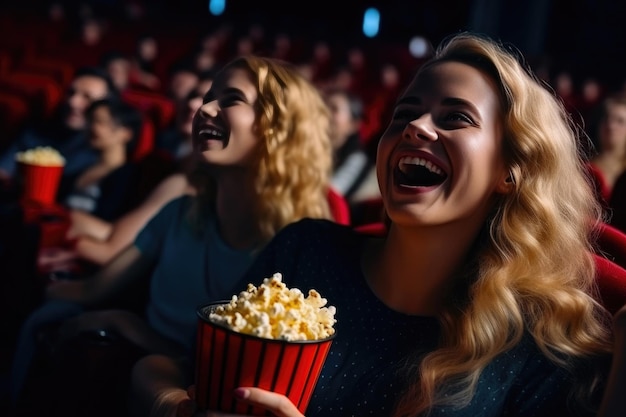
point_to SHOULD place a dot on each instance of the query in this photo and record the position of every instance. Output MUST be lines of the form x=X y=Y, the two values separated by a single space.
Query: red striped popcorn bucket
x=40 y=183
x=226 y=359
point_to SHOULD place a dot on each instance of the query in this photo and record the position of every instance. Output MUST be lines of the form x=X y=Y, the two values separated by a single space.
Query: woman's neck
x=113 y=156
x=412 y=271
x=235 y=207
x=110 y=159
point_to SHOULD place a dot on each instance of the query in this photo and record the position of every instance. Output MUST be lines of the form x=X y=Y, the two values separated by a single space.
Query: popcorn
x=41 y=155
x=273 y=311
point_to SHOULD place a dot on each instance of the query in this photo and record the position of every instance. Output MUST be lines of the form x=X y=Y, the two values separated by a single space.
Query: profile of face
x=83 y=91
x=105 y=132
x=612 y=128
x=342 y=125
x=440 y=160
x=119 y=71
x=224 y=126
x=187 y=110
x=182 y=83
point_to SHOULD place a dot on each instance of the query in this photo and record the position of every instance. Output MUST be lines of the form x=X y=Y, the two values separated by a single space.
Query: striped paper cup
x=226 y=359
x=40 y=183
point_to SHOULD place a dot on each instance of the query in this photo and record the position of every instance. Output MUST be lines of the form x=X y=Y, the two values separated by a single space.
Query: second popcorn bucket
x=227 y=359
x=40 y=170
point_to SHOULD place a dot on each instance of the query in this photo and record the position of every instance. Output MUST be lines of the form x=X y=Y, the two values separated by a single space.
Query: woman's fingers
x=278 y=404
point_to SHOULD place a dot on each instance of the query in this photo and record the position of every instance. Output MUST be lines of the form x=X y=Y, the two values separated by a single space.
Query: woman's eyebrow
x=409 y=100
x=455 y=101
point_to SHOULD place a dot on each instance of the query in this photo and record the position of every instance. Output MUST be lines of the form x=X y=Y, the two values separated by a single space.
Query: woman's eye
x=405 y=115
x=208 y=97
x=459 y=117
x=230 y=100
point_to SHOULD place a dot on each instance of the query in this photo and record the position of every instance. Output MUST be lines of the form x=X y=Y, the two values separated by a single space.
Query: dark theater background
x=584 y=36
x=580 y=40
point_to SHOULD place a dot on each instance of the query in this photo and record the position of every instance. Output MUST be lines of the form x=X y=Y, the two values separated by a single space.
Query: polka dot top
x=368 y=365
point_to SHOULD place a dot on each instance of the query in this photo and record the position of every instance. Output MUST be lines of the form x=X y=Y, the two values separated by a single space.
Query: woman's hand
x=275 y=403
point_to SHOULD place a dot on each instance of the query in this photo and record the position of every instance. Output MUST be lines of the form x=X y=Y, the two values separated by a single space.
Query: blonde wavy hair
x=294 y=159
x=534 y=270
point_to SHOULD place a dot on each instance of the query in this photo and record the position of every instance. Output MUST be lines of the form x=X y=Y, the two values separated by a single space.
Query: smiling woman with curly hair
x=261 y=139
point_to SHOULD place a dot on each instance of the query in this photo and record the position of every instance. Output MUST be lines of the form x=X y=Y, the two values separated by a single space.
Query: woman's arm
x=128 y=266
x=124 y=230
x=83 y=224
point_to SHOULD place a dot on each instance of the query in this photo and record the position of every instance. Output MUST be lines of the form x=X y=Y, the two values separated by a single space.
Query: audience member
x=177 y=141
x=564 y=87
x=182 y=79
x=379 y=104
x=118 y=66
x=97 y=241
x=591 y=95
x=479 y=298
x=610 y=161
x=258 y=129
x=86 y=43
x=106 y=188
x=350 y=162
x=143 y=63
x=67 y=131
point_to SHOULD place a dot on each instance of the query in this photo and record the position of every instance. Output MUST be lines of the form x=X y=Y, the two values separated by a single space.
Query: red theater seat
x=159 y=107
x=612 y=242
x=145 y=142
x=61 y=71
x=43 y=91
x=339 y=207
x=14 y=112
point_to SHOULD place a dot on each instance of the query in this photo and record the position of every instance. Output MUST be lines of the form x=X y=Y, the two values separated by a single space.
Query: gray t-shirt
x=191 y=269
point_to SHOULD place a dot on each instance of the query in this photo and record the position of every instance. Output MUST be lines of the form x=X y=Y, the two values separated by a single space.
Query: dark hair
x=182 y=65
x=354 y=102
x=123 y=114
x=111 y=56
x=98 y=72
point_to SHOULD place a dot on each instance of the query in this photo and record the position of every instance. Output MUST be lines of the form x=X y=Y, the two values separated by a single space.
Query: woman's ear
x=126 y=134
x=506 y=183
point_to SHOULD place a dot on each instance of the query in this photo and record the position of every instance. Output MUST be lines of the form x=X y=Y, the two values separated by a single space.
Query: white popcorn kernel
x=274 y=311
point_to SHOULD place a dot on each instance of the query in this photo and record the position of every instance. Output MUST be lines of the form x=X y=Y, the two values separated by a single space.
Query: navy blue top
x=109 y=198
x=364 y=373
x=192 y=267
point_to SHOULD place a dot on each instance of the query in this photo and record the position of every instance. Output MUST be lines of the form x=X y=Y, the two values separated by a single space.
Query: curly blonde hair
x=294 y=160
x=534 y=270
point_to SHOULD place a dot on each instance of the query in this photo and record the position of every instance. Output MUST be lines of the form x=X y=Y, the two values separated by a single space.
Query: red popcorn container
x=226 y=359
x=40 y=183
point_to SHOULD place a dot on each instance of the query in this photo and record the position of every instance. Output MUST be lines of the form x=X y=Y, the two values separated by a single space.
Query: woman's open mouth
x=418 y=172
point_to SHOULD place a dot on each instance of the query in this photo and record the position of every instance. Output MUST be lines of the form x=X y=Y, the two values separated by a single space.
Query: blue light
x=371 y=22
x=216 y=7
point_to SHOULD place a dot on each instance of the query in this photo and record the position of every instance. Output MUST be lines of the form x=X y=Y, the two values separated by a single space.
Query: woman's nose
x=421 y=128
x=210 y=109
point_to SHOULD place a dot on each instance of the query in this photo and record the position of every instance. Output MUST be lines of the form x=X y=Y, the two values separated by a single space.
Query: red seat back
x=145 y=141
x=339 y=207
x=159 y=107
x=42 y=90
x=14 y=112
x=611 y=283
x=612 y=242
